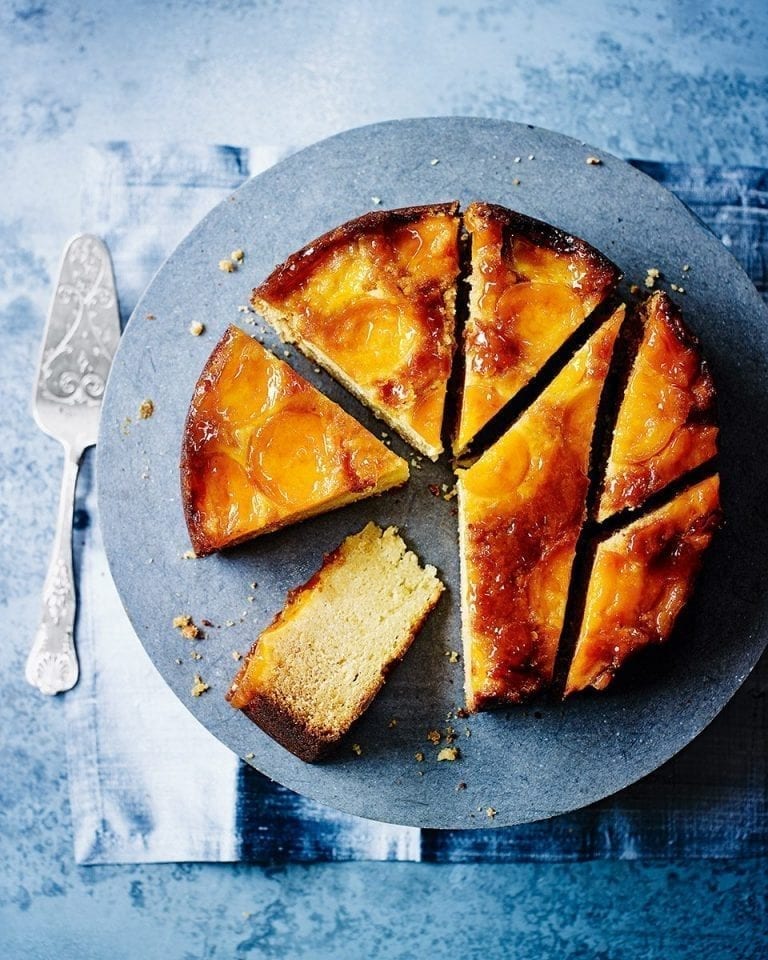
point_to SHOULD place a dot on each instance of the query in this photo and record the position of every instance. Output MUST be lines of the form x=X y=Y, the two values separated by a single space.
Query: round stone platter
x=526 y=763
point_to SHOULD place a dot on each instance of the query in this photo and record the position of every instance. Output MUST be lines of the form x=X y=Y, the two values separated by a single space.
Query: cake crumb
x=450 y=494
x=453 y=656
x=392 y=723
x=237 y=255
x=199 y=686
x=243 y=308
x=189 y=555
x=236 y=655
x=652 y=274
x=357 y=749
x=490 y=812
x=250 y=756
x=516 y=181
x=146 y=409
x=531 y=156
x=181 y=621
x=634 y=289
x=196 y=655
x=462 y=712
x=190 y=632
x=434 y=162
x=450 y=735
x=433 y=736
x=196 y=328
x=449 y=753
x=517 y=159
x=593 y=161
x=686 y=267
x=376 y=201
x=227 y=266
x=419 y=756
x=461 y=786
x=149 y=316
x=179 y=661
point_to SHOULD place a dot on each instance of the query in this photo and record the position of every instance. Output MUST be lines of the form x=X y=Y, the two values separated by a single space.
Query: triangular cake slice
x=373 y=302
x=319 y=664
x=531 y=287
x=666 y=422
x=641 y=578
x=263 y=448
x=521 y=509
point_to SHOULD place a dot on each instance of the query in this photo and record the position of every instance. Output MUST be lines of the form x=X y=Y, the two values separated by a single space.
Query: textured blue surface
x=675 y=81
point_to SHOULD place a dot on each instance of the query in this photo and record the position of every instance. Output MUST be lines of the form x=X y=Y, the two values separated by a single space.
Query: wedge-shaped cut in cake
x=263 y=448
x=521 y=509
x=373 y=302
x=531 y=287
x=641 y=578
x=666 y=422
x=317 y=667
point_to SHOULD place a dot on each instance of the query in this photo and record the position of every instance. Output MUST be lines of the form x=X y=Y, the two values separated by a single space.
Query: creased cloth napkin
x=134 y=795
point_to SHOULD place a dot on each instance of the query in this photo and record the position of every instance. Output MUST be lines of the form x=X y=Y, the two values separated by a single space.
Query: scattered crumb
x=434 y=162
x=449 y=753
x=250 y=599
x=518 y=159
x=376 y=200
x=199 y=686
x=237 y=255
x=490 y=812
x=433 y=489
x=229 y=623
x=179 y=661
x=634 y=289
x=461 y=786
x=594 y=161
x=357 y=749
x=462 y=712
x=181 y=621
x=415 y=464
x=243 y=308
x=236 y=655
x=419 y=756
x=392 y=723
x=190 y=632
x=450 y=735
x=686 y=267
x=227 y=266
x=189 y=555
x=467 y=732
x=450 y=494
x=652 y=274
x=433 y=736
x=149 y=316
x=677 y=288
x=531 y=156
x=196 y=328
x=316 y=369
x=254 y=585
x=206 y=623
x=146 y=410
x=196 y=655
x=249 y=756
x=453 y=656
x=516 y=181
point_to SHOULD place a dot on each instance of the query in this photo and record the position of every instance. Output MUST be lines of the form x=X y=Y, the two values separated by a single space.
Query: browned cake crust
x=286 y=276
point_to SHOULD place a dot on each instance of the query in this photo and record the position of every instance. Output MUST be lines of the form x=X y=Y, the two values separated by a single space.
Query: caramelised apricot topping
x=262 y=448
x=373 y=301
x=531 y=287
x=641 y=578
x=666 y=422
x=521 y=509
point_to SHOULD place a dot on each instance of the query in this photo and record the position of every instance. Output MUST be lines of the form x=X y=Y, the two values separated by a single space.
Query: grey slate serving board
x=525 y=763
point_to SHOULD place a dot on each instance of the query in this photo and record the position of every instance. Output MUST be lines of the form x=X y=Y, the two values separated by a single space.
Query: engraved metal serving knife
x=81 y=337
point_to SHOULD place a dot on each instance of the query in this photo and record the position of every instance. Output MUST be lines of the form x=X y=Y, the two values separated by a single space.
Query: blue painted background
x=661 y=80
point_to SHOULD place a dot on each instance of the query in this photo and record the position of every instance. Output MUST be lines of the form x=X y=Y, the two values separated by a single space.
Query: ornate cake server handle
x=81 y=336
x=52 y=663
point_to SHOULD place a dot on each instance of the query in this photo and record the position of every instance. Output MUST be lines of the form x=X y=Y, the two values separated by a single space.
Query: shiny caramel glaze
x=263 y=448
x=641 y=579
x=531 y=287
x=373 y=301
x=521 y=509
x=666 y=422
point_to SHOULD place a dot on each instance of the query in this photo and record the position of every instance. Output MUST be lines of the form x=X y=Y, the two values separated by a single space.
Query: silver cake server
x=81 y=336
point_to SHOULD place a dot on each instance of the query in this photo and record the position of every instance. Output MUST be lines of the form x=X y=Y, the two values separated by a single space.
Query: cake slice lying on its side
x=531 y=287
x=373 y=302
x=263 y=448
x=521 y=509
x=666 y=422
x=314 y=671
x=641 y=578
